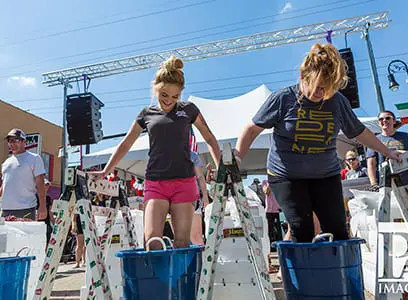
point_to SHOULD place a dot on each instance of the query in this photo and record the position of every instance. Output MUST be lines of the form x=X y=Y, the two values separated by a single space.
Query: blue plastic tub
x=322 y=270
x=171 y=274
x=14 y=273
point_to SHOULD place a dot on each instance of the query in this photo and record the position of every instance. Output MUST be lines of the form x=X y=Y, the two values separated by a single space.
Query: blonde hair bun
x=324 y=64
x=173 y=63
x=170 y=72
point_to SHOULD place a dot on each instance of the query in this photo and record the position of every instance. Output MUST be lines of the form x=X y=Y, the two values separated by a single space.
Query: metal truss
x=219 y=48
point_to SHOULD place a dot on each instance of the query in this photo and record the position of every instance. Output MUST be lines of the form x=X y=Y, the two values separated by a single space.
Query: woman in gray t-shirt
x=303 y=169
x=170 y=183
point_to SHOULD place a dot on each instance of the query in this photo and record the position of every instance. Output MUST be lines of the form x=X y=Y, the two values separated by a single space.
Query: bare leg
x=181 y=218
x=79 y=252
x=155 y=211
x=316 y=224
x=84 y=256
x=196 y=235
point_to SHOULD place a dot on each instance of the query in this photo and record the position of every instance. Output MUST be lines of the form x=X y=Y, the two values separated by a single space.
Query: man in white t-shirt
x=22 y=178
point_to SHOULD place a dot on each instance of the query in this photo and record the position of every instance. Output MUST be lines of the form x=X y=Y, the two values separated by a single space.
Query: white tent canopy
x=226 y=119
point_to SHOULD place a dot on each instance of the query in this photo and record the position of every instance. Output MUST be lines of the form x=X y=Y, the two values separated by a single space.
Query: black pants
x=274 y=227
x=298 y=198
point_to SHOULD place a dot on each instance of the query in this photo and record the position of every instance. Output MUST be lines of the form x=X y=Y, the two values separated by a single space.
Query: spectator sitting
x=353 y=163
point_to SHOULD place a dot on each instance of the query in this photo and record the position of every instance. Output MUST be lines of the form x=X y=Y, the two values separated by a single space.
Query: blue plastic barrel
x=171 y=274
x=322 y=270
x=14 y=273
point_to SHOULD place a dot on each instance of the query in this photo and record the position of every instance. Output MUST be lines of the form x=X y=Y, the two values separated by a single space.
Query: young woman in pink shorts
x=170 y=184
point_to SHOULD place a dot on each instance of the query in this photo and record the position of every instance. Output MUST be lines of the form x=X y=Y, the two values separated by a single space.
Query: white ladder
x=229 y=182
x=76 y=195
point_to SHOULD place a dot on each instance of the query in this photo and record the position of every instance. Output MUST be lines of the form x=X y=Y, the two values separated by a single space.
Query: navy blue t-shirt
x=169 y=140
x=398 y=141
x=304 y=137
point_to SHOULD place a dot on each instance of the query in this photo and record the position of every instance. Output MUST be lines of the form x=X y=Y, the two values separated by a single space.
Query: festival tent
x=226 y=119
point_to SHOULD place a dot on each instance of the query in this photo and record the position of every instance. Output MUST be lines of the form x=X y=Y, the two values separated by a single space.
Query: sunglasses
x=351 y=159
x=11 y=141
x=385 y=118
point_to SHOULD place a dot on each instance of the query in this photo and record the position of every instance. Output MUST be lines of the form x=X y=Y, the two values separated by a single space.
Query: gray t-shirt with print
x=303 y=143
x=169 y=153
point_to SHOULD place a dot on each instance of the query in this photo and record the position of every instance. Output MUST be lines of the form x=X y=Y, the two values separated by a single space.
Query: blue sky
x=42 y=36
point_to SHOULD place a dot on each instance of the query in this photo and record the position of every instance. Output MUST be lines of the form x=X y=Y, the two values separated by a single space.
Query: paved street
x=68 y=283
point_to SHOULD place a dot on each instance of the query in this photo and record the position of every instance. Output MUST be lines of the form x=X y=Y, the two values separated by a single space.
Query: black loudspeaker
x=83 y=119
x=351 y=90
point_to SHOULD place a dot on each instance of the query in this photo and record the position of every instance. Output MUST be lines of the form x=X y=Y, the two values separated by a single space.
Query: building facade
x=43 y=137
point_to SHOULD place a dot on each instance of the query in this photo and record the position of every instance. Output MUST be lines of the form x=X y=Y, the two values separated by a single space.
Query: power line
x=91 y=19
x=215 y=34
x=177 y=35
x=150 y=48
x=59 y=108
x=203 y=82
x=107 y=23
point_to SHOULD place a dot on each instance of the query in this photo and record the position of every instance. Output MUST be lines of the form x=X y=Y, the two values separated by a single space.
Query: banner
x=33 y=143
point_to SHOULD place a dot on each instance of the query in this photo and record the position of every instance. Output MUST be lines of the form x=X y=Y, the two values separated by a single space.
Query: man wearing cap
x=22 y=178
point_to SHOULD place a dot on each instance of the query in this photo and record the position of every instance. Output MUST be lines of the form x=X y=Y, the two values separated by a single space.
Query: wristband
x=238 y=159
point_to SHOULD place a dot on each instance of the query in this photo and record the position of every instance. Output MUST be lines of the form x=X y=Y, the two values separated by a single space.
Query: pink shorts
x=182 y=190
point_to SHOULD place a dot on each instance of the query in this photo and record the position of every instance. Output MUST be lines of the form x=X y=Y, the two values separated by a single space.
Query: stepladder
x=76 y=199
x=392 y=237
x=228 y=183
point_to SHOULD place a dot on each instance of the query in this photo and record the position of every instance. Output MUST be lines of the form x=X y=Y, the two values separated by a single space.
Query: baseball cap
x=256 y=180
x=17 y=133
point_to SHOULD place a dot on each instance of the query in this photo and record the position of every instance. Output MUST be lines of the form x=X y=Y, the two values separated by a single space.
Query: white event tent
x=226 y=119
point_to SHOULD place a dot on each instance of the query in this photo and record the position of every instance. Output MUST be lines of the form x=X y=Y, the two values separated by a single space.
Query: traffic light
x=83 y=119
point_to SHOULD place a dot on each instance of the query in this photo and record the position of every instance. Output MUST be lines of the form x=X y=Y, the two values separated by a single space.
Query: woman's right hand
x=395 y=155
x=238 y=158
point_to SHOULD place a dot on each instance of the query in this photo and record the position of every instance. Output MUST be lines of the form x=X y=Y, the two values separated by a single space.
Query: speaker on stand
x=351 y=90
x=83 y=115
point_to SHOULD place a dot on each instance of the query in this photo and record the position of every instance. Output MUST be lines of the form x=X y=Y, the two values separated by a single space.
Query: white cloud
x=288 y=6
x=23 y=81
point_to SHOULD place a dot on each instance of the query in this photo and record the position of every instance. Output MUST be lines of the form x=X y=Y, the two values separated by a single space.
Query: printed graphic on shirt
x=314 y=131
x=394 y=144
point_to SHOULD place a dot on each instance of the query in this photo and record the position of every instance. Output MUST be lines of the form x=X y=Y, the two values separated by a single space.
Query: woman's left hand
x=395 y=155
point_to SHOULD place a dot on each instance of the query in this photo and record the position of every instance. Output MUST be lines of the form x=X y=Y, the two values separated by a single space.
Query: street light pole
x=396 y=66
x=373 y=66
x=64 y=134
